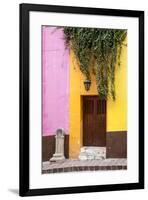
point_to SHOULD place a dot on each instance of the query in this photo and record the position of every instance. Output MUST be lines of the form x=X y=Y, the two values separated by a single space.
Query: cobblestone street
x=86 y=165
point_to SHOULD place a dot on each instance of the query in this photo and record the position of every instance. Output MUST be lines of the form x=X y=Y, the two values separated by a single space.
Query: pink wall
x=55 y=81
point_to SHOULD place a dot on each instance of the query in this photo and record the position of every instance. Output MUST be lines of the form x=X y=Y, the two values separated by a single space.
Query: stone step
x=92 y=153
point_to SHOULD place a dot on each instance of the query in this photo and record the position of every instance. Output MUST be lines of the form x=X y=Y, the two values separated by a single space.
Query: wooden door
x=94 y=121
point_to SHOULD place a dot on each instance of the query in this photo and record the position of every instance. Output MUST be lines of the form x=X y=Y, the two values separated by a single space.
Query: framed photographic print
x=81 y=99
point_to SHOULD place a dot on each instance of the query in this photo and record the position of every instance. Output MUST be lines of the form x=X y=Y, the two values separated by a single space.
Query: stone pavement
x=85 y=165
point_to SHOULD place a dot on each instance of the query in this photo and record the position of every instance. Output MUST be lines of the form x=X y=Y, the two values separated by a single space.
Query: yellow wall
x=116 y=110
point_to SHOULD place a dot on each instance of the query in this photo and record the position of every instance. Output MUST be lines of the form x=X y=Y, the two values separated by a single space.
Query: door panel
x=94 y=121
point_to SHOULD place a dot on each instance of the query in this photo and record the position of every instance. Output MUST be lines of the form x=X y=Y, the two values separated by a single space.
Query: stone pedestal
x=59 y=146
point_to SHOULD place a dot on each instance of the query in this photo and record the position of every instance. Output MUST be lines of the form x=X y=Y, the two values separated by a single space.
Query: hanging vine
x=103 y=48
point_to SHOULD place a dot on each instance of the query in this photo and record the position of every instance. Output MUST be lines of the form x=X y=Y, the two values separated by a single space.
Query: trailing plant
x=97 y=50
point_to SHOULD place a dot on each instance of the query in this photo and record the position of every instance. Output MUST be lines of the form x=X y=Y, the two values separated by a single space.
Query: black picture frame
x=24 y=189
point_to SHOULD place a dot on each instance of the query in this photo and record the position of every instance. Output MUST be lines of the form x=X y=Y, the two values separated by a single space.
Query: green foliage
x=102 y=47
